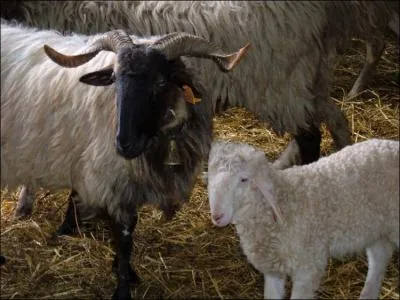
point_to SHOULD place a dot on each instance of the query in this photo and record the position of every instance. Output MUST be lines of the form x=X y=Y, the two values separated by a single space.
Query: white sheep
x=291 y=221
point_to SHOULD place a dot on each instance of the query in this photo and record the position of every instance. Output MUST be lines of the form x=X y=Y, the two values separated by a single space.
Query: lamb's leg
x=70 y=221
x=305 y=284
x=25 y=202
x=121 y=264
x=274 y=287
x=374 y=52
x=379 y=255
x=309 y=141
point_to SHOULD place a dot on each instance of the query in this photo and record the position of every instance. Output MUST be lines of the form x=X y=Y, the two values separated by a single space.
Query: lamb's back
x=352 y=196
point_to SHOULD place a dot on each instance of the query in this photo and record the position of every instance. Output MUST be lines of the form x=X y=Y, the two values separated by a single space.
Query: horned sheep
x=105 y=129
x=290 y=221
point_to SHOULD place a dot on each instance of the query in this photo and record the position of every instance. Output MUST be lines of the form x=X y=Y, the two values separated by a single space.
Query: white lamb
x=291 y=221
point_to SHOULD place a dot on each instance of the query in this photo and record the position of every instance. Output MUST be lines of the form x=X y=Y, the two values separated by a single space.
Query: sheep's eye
x=243 y=179
x=162 y=82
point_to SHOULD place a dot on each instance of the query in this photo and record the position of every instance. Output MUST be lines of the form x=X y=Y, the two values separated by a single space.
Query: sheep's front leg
x=71 y=218
x=336 y=123
x=274 y=286
x=374 y=52
x=121 y=264
x=25 y=202
x=309 y=141
x=289 y=157
x=394 y=24
x=305 y=283
x=379 y=255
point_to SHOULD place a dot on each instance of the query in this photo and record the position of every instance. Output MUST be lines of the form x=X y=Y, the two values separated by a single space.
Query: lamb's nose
x=218 y=217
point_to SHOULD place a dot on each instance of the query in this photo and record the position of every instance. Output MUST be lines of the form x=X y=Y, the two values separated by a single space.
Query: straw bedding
x=187 y=256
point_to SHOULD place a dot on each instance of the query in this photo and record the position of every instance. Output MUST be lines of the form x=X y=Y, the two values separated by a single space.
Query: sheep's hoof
x=169 y=215
x=22 y=213
x=122 y=292
x=171 y=210
x=133 y=278
x=64 y=229
x=53 y=240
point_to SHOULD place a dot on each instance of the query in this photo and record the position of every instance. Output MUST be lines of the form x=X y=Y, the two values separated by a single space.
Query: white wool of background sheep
x=285 y=77
x=339 y=205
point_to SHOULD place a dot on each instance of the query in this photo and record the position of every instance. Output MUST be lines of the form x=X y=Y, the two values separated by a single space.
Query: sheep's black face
x=144 y=94
x=148 y=86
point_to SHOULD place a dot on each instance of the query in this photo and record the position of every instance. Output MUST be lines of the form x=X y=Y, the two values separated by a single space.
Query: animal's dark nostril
x=217 y=217
x=123 y=143
x=126 y=145
x=131 y=147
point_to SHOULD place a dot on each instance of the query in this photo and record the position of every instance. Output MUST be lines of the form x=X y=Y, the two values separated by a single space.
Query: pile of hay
x=188 y=257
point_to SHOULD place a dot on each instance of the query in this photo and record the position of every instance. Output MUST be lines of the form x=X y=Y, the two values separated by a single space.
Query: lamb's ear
x=268 y=192
x=261 y=181
x=100 y=77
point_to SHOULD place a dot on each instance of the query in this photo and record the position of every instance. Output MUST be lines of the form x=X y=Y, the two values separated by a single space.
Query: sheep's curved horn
x=178 y=44
x=111 y=41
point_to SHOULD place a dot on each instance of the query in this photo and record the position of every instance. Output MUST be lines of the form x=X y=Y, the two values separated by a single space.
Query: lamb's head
x=237 y=172
x=152 y=82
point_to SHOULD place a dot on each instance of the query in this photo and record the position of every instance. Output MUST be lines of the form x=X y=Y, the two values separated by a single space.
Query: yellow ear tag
x=189 y=96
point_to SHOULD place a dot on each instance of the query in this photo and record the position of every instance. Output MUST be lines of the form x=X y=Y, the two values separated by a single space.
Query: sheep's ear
x=101 y=77
x=268 y=192
x=189 y=94
x=259 y=163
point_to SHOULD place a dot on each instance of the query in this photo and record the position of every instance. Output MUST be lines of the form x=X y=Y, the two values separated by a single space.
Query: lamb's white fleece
x=291 y=221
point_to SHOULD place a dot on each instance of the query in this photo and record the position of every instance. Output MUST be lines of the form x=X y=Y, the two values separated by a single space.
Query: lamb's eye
x=243 y=179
